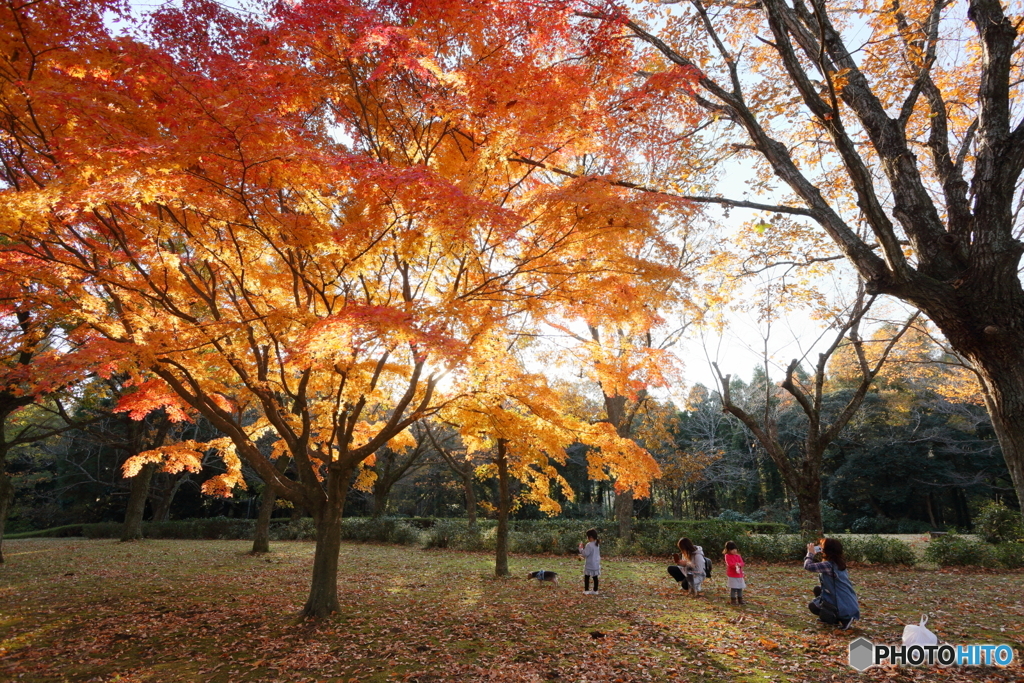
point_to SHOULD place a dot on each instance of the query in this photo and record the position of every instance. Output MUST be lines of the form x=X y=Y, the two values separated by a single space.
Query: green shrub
x=379 y=529
x=659 y=537
x=878 y=550
x=455 y=534
x=773 y=548
x=53 y=532
x=953 y=550
x=103 y=530
x=1010 y=555
x=831 y=519
x=997 y=523
x=302 y=529
x=912 y=526
x=874 y=525
x=732 y=516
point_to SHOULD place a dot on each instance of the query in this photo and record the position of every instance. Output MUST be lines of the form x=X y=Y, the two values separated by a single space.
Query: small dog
x=543 y=575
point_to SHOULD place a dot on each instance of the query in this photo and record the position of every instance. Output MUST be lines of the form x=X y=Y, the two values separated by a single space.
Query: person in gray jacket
x=591 y=553
x=688 y=569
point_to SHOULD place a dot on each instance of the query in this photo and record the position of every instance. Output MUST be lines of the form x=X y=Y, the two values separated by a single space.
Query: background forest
x=918 y=456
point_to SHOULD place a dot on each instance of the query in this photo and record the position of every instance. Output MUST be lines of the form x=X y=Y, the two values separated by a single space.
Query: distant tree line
x=916 y=456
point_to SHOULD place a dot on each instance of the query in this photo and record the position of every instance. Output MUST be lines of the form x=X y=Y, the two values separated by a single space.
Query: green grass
x=168 y=611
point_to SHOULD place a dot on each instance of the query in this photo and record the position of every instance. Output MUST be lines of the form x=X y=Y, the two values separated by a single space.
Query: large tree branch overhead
x=839 y=100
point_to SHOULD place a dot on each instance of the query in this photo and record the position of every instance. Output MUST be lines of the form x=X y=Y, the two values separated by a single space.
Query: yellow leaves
x=223 y=484
x=402 y=441
x=365 y=477
x=632 y=467
x=188 y=455
x=185 y=455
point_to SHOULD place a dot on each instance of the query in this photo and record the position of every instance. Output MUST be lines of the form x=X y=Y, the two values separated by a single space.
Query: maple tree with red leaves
x=320 y=227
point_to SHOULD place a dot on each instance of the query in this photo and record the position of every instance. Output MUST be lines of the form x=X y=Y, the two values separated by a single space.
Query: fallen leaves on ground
x=166 y=611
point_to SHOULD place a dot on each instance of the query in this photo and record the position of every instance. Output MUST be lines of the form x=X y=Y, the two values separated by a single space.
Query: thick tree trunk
x=323 y=590
x=6 y=498
x=807 y=487
x=132 y=530
x=261 y=538
x=381 y=493
x=987 y=326
x=1005 y=402
x=501 y=549
x=624 y=515
x=808 y=498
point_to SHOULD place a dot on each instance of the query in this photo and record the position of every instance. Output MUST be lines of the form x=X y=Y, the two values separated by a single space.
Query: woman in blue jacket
x=835 y=600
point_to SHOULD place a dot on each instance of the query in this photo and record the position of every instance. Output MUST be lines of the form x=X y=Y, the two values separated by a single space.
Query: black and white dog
x=543 y=575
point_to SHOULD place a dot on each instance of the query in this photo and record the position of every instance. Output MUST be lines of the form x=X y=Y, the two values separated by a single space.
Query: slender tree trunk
x=467 y=484
x=261 y=538
x=161 y=500
x=501 y=550
x=624 y=515
x=931 y=510
x=323 y=590
x=6 y=498
x=132 y=530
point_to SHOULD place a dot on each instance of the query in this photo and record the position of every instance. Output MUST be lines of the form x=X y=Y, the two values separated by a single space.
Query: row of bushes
x=953 y=550
x=658 y=540
x=651 y=537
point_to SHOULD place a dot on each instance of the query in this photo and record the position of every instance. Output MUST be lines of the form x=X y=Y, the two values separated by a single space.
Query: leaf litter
x=167 y=611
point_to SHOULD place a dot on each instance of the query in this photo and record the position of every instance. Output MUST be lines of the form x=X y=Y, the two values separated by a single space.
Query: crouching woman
x=835 y=601
x=689 y=567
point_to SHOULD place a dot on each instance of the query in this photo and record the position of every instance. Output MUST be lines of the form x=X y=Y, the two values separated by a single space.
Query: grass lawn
x=167 y=611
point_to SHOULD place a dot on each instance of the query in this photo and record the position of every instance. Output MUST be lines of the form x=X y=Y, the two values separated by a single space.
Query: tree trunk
x=467 y=484
x=323 y=590
x=807 y=487
x=501 y=549
x=381 y=493
x=1004 y=398
x=808 y=498
x=6 y=498
x=161 y=500
x=624 y=515
x=261 y=538
x=132 y=530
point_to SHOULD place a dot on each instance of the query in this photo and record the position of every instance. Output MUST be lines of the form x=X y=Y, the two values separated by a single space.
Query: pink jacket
x=733 y=566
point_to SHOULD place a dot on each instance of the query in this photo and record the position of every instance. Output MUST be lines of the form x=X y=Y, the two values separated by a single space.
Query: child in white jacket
x=591 y=552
